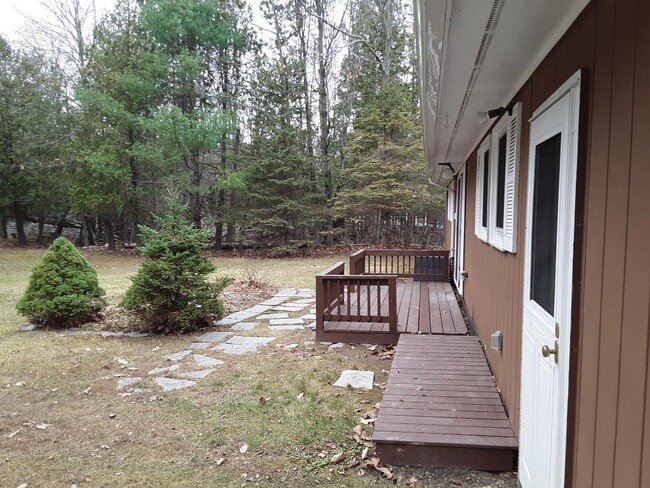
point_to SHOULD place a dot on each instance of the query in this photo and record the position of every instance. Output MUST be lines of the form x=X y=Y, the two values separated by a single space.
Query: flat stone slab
x=226 y=322
x=214 y=336
x=177 y=356
x=286 y=292
x=304 y=301
x=233 y=318
x=286 y=322
x=168 y=384
x=235 y=348
x=307 y=290
x=288 y=309
x=309 y=316
x=125 y=382
x=197 y=375
x=268 y=316
x=164 y=369
x=356 y=379
x=274 y=301
x=206 y=361
x=311 y=326
x=286 y=327
x=250 y=341
x=245 y=326
x=200 y=345
x=312 y=310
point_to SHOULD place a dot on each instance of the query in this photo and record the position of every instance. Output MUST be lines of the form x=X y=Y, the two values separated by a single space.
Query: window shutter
x=510 y=203
x=479 y=185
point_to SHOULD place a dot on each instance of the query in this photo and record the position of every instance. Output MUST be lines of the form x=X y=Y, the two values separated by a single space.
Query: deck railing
x=409 y=263
x=355 y=298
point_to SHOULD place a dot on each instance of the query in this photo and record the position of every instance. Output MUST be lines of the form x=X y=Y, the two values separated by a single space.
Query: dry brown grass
x=92 y=436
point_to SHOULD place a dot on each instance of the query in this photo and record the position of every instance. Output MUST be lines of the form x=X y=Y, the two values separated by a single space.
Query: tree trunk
x=19 y=213
x=3 y=228
x=324 y=122
x=41 y=228
x=110 y=234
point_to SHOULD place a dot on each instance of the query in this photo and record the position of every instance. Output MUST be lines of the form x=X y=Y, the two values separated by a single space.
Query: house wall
x=609 y=416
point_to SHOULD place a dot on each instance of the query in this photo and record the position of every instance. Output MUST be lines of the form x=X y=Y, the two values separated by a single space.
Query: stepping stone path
x=183 y=373
x=245 y=326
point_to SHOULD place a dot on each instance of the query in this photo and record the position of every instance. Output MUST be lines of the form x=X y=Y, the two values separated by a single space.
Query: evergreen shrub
x=63 y=290
x=171 y=291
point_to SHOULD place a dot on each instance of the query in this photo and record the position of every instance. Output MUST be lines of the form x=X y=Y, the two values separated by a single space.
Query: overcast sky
x=13 y=12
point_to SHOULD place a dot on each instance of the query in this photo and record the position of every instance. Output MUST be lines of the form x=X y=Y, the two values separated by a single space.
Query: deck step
x=441 y=407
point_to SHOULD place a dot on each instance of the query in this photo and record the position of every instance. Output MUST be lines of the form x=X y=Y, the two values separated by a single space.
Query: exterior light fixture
x=495 y=112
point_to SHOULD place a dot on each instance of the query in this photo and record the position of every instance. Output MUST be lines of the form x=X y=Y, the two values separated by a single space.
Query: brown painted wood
x=442 y=403
x=367 y=302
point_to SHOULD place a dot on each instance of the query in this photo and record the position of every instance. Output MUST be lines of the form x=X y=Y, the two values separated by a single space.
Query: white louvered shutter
x=510 y=200
x=479 y=188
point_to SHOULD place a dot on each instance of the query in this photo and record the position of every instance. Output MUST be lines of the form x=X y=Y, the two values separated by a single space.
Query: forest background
x=301 y=132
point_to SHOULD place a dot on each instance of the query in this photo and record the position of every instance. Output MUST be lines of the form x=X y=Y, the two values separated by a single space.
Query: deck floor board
x=422 y=308
x=443 y=410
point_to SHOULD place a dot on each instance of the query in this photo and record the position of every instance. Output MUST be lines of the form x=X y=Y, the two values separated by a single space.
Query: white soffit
x=474 y=56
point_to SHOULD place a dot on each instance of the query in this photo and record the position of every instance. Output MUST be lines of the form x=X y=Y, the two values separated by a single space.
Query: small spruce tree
x=171 y=291
x=63 y=290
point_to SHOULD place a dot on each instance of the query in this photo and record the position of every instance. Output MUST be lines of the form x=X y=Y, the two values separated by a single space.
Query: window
x=482 y=191
x=496 y=184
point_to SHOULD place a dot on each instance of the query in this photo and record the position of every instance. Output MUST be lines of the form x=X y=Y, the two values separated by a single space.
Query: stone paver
x=304 y=301
x=200 y=345
x=197 y=375
x=309 y=316
x=288 y=309
x=177 y=356
x=235 y=348
x=286 y=322
x=206 y=361
x=274 y=301
x=268 y=316
x=125 y=382
x=286 y=292
x=253 y=341
x=286 y=327
x=245 y=326
x=168 y=384
x=311 y=326
x=356 y=379
x=214 y=336
x=165 y=369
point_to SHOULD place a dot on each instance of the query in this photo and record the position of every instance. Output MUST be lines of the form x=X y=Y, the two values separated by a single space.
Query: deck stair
x=441 y=407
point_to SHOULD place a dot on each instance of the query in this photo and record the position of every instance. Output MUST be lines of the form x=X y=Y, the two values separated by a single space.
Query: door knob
x=547 y=351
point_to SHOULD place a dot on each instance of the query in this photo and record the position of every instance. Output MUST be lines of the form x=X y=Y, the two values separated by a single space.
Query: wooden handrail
x=402 y=262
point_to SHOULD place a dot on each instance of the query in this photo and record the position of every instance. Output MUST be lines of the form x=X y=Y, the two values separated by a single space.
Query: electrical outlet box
x=497 y=340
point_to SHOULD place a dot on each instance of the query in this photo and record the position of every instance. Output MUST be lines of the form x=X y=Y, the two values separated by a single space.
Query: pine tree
x=171 y=291
x=63 y=290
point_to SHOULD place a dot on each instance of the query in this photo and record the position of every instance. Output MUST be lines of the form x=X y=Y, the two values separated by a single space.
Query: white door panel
x=547 y=289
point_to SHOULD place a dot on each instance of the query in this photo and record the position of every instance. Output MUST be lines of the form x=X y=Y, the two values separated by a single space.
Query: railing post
x=392 y=304
x=320 y=306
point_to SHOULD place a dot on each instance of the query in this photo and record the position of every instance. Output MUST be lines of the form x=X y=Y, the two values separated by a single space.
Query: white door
x=547 y=288
x=459 y=244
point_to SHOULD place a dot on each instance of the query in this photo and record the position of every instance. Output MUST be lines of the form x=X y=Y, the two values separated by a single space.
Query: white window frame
x=503 y=238
x=482 y=232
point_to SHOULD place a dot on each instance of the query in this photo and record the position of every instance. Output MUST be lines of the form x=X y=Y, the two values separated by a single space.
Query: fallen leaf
x=338 y=458
x=264 y=400
x=220 y=461
x=300 y=396
x=14 y=433
x=87 y=390
x=42 y=426
x=364 y=453
x=243 y=448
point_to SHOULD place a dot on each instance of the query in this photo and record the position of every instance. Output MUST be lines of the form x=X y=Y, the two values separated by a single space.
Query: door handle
x=547 y=351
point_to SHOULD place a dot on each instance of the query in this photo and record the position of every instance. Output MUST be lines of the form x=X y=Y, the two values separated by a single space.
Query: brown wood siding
x=609 y=416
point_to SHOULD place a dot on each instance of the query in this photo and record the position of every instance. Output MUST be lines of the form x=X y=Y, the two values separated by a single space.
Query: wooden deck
x=441 y=407
x=422 y=308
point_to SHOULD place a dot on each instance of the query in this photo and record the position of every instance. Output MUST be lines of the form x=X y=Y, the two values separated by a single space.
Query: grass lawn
x=62 y=422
